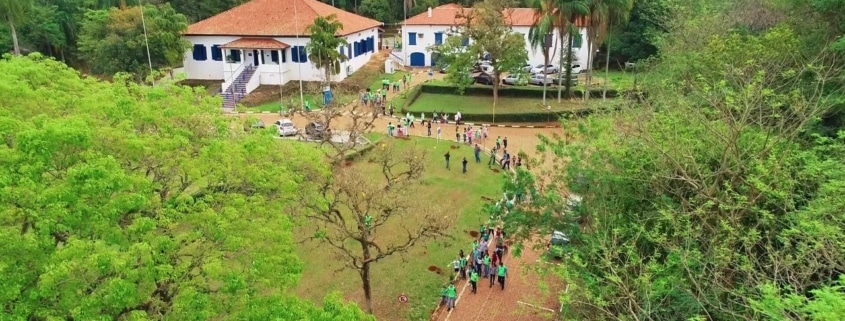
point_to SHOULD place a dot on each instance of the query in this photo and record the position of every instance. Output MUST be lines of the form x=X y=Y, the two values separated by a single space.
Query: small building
x=421 y=32
x=262 y=42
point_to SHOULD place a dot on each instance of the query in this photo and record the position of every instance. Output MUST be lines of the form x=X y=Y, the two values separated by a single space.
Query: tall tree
x=488 y=28
x=13 y=13
x=127 y=202
x=604 y=15
x=541 y=33
x=113 y=41
x=323 y=44
x=572 y=13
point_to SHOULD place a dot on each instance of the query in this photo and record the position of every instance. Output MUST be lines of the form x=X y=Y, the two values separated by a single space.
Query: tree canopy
x=121 y=201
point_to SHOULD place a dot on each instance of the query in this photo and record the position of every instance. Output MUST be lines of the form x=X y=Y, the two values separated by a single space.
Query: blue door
x=417 y=59
x=255 y=57
x=434 y=57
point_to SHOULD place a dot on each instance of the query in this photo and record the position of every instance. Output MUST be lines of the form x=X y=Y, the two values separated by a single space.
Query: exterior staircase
x=237 y=90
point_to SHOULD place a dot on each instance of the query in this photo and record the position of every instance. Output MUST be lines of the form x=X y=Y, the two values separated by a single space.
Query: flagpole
x=146 y=41
x=298 y=52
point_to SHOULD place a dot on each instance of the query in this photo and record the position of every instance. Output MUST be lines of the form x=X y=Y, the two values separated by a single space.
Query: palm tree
x=617 y=13
x=570 y=12
x=541 y=31
x=12 y=12
x=322 y=49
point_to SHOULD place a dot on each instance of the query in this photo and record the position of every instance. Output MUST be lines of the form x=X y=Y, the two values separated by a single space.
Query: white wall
x=535 y=57
x=220 y=70
x=423 y=43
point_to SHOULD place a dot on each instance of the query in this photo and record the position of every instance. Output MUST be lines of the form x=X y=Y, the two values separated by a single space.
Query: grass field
x=392 y=77
x=410 y=274
x=428 y=103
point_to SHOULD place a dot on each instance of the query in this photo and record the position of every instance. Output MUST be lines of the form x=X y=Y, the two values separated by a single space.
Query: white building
x=262 y=42
x=430 y=28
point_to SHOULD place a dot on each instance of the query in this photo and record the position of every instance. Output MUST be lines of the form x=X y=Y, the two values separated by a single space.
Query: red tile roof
x=447 y=13
x=277 y=18
x=256 y=43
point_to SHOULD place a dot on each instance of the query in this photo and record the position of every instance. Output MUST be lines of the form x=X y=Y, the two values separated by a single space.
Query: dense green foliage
x=719 y=196
x=322 y=48
x=114 y=41
x=126 y=202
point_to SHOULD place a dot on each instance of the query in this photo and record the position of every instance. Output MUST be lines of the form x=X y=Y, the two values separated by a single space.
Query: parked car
x=576 y=68
x=443 y=69
x=484 y=79
x=526 y=68
x=516 y=79
x=285 y=127
x=480 y=64
x=556 y=243
x=559 y=80
x=315 y=130
x=487 y=69
x=548 y=69
x=538 y=79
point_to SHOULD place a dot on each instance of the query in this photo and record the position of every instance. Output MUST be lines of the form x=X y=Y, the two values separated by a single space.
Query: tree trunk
x=545 y=63
x=568 y=74
x=606 y=64
x=14 y=37
x=589 y=64
x=560 y=63
x=495 y=93
x=365 y=277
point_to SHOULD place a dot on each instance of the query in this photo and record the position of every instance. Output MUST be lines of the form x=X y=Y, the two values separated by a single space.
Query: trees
x=540 y=34
x=369 y=216
x=570 y=12
x=122 y=201
x=709 y=200
x=113 y=41
x=13 y=13
x=605 y=15
x=377 y=9
x=322 y=48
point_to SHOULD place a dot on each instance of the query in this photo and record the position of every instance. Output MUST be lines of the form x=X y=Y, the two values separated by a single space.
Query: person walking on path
x=492 y=275
x=463 y=267
x=479 y=261
x=498 y=142
x=453 y=294
x=447 y=156
x=503 y=273
x=464 y=162
x=428 y=127
x=444 y=296
x=486 y=262
x=477 y=153
x=457 y=135
x=438 y=133
x=456 y=264
x=505 y=143
x=390 y=129
x=473 y=279
x=492 y=158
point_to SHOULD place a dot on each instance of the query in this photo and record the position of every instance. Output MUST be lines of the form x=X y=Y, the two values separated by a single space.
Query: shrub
x=515 y=92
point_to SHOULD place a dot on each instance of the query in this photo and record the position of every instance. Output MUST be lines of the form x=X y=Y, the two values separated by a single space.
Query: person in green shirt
x=503 y=273
x=453 y=294
x=368 y=220
x=307 y=105
x=385 y=84
x=486 y=261
x=444 y=295
x=473 y=279
x=463 y=267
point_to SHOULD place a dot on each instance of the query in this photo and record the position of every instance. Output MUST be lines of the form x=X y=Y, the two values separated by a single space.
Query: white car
x=517 y=79
x=487 y=69
x=576 y=69
x=548 y=69
x=285 y=127
x=538 y=79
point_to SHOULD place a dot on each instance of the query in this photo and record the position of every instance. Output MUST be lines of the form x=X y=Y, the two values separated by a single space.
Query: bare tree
x=368 y=214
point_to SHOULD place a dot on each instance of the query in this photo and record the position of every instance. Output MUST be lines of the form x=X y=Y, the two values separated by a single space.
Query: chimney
x=429 y=12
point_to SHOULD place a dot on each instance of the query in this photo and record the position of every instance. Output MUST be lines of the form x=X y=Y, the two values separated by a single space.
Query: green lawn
x=410 y=275
x=315 y=99
x=451 y=104
x=619 y=80
x=392 y=77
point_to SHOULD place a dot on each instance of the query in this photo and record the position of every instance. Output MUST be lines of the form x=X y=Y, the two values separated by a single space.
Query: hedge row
x=510 y=91
x=525 y=117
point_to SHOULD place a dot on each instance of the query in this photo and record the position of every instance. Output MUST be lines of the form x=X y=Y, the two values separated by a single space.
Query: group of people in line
x=485 y=261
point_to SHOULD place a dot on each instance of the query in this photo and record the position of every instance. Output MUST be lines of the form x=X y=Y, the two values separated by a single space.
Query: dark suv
x=315 y=130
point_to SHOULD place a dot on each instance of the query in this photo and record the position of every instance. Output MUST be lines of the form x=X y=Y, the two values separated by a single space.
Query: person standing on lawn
x=438 y=133
x=478 y=157
x=502 y=273
x=492 y=158
x=464 y=162
x=447 y=156
x=473 y=279
x=453 y=294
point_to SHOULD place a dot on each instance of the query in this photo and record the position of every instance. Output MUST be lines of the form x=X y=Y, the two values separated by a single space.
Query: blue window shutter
x=303 y=54
x=236 y=55
x=576 y=41
x=294 y=54
x=438 y=38
x=284 y=55
x=372 y=44
x=274 y=56
x=349 y=51
x=356 y=48
x=200 y=53
x=216 y=53
x=412 y=38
